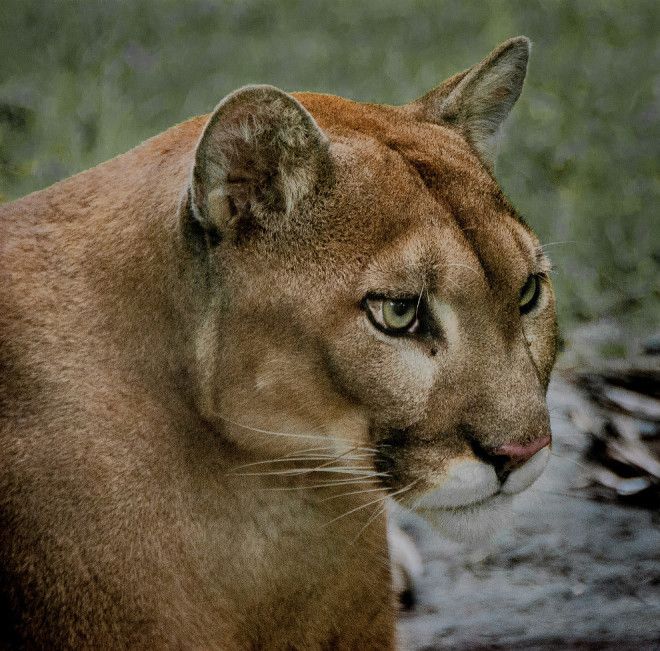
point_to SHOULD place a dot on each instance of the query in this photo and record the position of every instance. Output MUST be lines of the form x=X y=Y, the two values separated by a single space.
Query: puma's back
x=222 y=351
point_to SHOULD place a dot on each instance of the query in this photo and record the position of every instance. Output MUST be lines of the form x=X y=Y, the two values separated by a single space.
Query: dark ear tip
x=250 y=94
x=522 y=40
x=262 y=96
x=522 y=45
x=256 y=92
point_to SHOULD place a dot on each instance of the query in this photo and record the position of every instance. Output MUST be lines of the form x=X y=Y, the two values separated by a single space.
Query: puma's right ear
x=478 y=100
x=260 y=155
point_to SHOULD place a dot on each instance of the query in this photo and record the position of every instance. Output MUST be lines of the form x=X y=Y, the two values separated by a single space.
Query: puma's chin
x=473 y=523
x=472 y=503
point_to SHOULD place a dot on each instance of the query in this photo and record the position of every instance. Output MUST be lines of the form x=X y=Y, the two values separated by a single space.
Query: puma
x=222 y=351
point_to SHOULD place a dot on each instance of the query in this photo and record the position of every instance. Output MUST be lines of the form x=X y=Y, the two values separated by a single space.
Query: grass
x=83 y=81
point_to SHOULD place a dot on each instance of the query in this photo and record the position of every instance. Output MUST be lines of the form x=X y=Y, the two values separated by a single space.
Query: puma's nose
x=515 y=454
x=510 y=456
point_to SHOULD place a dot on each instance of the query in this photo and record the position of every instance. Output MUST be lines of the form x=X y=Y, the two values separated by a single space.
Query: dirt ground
x=570 y=573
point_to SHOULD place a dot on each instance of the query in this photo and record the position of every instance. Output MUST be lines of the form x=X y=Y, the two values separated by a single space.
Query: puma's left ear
x=478 y=100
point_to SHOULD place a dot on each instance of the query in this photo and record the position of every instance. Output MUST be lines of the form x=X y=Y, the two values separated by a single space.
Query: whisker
x=323 y=467
x=557 y=494
x=327 y=484
x=334 y=497
x=331 y=447
x=543 y=246
x=363 y=506
x=285 y=434
x=575 y=461
x=315 y=449
x=329 y=458
x=357 y=508
x=379 y=510
x=301 y=458
x=419 y=298
x=335 y=459
x=362 y=472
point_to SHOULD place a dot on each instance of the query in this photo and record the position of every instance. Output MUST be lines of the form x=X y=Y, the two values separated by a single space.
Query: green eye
x=529 y=294
x=394 y=315
x=399 y=315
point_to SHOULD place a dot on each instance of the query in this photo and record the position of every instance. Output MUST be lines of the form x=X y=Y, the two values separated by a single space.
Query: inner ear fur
x=260 y=155
x=478 y=100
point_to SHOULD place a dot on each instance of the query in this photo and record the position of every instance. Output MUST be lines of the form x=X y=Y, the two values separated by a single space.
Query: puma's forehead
x=435 y=200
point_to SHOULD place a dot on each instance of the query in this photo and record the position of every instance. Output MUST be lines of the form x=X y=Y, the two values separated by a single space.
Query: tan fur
x=157 y=333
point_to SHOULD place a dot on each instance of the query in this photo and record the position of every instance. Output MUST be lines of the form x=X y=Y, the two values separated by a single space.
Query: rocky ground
x=571 y=572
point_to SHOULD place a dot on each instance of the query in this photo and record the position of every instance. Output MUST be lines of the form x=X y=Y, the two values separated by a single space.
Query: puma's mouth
x=466 y=498
x=471 y=502
x=472 y=482
x=471 y=499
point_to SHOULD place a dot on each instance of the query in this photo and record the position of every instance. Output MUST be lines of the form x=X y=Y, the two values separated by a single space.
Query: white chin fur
x=527 y=474
x=475 y=523
x=470 y=505
x=466 y=482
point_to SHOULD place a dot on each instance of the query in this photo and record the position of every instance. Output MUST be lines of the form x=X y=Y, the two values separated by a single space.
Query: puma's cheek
x=417 y=370
x=391 y=380
x=405 y=388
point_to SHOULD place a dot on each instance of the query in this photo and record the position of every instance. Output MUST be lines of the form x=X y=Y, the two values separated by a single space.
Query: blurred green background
x=83 y=81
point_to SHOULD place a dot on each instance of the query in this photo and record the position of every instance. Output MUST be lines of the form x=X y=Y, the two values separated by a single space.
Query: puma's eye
x=529 y=294
x=394 y=316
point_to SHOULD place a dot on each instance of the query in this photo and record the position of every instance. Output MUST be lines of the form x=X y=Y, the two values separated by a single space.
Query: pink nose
x=517 y=454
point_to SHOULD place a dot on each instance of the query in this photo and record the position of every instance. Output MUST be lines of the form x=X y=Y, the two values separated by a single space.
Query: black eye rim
x=533 y=301
x=408 y=331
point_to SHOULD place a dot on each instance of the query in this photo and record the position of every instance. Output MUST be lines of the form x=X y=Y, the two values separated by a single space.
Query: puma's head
x=371 y=292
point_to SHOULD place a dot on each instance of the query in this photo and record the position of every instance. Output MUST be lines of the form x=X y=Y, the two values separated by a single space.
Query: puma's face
x=374 y=290
x=444 y=331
